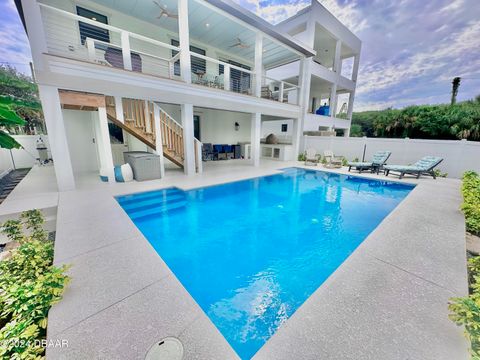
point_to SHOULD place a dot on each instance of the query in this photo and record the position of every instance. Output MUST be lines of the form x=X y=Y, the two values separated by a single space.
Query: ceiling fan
x=164 y=13
x=240 y=44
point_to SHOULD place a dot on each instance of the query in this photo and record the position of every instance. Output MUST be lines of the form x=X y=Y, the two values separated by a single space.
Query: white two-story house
x=177 y=76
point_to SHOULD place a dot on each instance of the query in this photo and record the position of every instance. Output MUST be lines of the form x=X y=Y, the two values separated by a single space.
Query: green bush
x=442 y=121
x=471 y=201
x=466 y=311
x=29 y=286
x=302 y=157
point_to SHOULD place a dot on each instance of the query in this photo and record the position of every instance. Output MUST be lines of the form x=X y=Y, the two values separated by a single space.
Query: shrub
x=466 y=311
x=29 y=286
x=302 y=157
x=471 y=201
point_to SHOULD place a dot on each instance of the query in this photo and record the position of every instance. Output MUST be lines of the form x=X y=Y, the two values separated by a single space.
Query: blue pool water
x=251 y=252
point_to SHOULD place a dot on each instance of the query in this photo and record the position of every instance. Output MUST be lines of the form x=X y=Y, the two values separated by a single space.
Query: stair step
x=157 y=211
x=152 y=203
x=127 y=199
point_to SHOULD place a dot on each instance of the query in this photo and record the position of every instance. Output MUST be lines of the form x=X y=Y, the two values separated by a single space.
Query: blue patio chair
x=228 y=150
x=218 y=152
x=378 y=161
x=424 y=166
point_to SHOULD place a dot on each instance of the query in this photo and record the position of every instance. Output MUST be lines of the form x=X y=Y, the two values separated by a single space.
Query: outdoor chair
x=311 y=157
x=332 y=161
x=207 y=152
x=218 y=153
x=378 y=161
x=424 y=166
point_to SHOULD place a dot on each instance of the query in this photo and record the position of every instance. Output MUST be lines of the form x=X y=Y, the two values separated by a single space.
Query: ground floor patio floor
x=388 y=300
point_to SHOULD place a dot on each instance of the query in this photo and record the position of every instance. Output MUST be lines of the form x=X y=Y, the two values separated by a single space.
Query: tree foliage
x=19 y=105
x=459 y=121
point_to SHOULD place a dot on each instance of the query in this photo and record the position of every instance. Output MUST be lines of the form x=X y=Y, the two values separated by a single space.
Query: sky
x=411 y=49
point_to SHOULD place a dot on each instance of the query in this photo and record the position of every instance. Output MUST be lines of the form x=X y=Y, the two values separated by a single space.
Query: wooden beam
x=81 y=100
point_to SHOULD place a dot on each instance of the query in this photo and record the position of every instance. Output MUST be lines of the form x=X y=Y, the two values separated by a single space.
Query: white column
x=184 y=39
x=333 y=100
x=258 y=63
x=119 y=109
x=104 y=146
x=280 y=91
x=188 y=145
x=90 y=49
x=351 y=98
x=226 y=77
x=305 y=76
x=57 y=137
x=36 y=34
x=356 y=63
x=127 y=58
x=158 y=139
x=256 y=127
x=337 y=63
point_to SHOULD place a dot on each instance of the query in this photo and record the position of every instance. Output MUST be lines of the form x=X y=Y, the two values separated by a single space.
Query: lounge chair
x=424 y=166
x=332 y=161
x=378 y=161
x=207 y=152
x=311 y=157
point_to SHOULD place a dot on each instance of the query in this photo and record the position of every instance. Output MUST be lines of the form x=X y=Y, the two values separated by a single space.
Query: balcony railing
x=135 y=52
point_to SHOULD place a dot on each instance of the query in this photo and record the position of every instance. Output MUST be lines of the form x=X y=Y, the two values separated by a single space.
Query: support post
x=184 y=40
x=356 y=63
x=127 y=58
x=105 y=148
x=258 y=63
x=90 y=49
x=256 y=126
x=333 y=102
x=305 y=75
x=36 y=33
x=57 y=137
x=226 y=77
x=119 y=109
x=158 y=139
x=280 y=91
x=337 y=63
x=198 y=149
x=188 y=144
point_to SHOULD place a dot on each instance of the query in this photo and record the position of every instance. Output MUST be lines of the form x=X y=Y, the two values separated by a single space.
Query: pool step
x=155 y=211
x=131 y=208
x=153 y=203
x=135 y=198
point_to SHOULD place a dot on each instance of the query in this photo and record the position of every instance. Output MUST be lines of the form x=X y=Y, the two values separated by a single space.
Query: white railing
x=124 y=49
x=279 y=90
x=221 y=75
x=172 y=137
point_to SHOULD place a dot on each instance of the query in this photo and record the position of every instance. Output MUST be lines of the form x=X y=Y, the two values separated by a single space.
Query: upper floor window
x=92 y=31
x=198 y=65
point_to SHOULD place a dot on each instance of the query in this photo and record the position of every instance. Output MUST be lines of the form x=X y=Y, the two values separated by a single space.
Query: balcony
x=314 y=122
x=116 y=47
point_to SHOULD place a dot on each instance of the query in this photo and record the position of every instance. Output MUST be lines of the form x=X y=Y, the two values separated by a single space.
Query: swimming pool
x=251 y=252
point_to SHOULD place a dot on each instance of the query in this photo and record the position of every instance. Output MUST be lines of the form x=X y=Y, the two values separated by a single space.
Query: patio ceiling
x=207 y=27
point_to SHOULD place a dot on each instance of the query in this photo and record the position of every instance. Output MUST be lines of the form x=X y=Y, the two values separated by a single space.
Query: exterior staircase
x=139 y=121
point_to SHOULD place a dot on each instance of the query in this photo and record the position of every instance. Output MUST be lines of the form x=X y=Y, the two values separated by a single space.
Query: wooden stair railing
x=139 y=121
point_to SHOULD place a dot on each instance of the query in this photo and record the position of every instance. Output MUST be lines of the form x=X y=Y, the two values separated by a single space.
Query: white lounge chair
x=332 y=161
x=311 y=157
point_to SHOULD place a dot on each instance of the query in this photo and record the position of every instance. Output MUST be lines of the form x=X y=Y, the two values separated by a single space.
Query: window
x=91 y=31
x=284 y=127
x=239 y=80
x=197 y=64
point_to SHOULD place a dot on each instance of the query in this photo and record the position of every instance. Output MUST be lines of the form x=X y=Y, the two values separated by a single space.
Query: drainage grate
x=169 y=348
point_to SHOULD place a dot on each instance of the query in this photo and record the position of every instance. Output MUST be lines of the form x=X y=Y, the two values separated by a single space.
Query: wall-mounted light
x=237 y=126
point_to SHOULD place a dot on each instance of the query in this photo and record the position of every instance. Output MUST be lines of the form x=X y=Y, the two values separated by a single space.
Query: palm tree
x=455 y=86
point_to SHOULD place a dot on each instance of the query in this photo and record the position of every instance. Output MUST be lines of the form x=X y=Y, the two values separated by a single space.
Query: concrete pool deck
x=388 y=300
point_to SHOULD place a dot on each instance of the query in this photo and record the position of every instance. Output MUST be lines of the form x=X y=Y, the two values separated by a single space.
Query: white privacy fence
x=21 y=158
x=458 y=155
